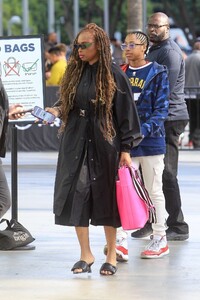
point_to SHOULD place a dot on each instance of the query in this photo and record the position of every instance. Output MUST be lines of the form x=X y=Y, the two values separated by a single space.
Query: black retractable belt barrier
x=37 y=137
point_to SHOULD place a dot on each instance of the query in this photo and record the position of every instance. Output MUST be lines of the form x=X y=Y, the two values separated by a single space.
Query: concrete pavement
x=44 y=273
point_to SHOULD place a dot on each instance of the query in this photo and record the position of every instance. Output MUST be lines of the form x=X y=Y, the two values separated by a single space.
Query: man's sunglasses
x=82 y=46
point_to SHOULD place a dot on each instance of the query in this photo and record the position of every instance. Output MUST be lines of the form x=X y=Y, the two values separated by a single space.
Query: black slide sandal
x=109 y=268
x=81 y=264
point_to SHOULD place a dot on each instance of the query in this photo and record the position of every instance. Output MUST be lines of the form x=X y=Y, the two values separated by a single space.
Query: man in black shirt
x=166 y=52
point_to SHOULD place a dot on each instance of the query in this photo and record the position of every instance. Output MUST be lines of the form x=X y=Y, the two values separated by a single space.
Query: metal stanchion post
x=14 y=178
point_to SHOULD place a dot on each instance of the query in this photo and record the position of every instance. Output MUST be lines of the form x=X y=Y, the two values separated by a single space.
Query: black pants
x=171 y=190
x=5 y=201
x=193 y=106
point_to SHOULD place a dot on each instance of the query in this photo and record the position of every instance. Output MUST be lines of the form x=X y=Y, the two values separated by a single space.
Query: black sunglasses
x=155 y=26
x=82 y=46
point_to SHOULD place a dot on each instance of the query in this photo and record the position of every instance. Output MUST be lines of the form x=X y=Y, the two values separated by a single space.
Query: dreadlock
x=142 y=37
x=105 y=84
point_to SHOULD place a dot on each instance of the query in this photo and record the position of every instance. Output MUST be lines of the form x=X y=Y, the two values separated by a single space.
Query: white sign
x=22 y=71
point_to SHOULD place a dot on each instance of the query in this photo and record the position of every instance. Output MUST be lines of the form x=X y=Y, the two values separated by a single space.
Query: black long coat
x=87 y=163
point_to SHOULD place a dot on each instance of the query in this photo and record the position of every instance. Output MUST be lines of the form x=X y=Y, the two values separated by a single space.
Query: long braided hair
x=105 y=84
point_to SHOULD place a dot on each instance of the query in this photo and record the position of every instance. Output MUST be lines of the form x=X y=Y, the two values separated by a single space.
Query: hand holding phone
x=43 y=115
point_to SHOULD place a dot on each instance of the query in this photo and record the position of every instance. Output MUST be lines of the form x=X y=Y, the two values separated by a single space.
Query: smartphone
x=43 y=115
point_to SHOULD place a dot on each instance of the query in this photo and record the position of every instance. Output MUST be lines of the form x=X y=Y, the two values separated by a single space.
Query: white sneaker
x=121 y=246
x=156 y=248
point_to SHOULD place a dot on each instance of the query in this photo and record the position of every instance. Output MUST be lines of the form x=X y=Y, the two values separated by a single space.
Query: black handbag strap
x=11 y=223
x=5 y=220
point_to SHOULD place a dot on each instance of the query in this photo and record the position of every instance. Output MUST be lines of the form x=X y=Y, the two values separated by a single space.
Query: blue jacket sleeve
x=158 y=93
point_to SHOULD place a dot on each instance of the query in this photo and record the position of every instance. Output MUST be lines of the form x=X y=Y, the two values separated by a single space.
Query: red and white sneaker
x=156 y=248
x=122 y=253
x=121 y=246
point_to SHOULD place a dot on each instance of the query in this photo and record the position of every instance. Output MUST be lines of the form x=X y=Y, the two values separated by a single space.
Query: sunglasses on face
x=129 y=46
x=155 y=26
x=82 y=46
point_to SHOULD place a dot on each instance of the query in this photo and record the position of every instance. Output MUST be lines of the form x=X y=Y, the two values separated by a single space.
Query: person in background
x=100 y=125
x=51 y=41
x=166 y=52
x=12 y=112
x=150 y=87
x=116 y=51
x=57 y=56
x=192 y=79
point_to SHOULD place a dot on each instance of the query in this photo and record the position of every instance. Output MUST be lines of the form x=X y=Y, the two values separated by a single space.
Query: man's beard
x=156 y=38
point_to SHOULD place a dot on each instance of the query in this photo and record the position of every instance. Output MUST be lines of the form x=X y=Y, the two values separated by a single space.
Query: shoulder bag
x=134 y=204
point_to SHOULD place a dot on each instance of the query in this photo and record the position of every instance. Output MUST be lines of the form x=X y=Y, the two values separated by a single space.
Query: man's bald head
x=158 y=27
x=161 y=17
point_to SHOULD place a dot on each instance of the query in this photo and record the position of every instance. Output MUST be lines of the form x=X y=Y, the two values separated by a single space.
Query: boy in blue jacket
x=150 y=87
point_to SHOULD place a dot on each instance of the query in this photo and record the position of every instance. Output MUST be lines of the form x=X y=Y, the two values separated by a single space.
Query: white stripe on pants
x=152 y=170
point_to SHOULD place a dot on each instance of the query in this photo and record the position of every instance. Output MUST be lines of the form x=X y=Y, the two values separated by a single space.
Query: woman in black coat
x=100 y=125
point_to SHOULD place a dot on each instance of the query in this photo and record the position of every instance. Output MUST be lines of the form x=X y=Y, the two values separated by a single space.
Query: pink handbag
x=134 y=205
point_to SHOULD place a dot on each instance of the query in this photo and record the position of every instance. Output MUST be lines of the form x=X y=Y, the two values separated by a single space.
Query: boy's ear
x=144 y=48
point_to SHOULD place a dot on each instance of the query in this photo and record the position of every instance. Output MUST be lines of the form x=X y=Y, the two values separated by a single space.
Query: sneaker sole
x=120 y=257
x=155 y=256
x=140 y=236
x=180 y=237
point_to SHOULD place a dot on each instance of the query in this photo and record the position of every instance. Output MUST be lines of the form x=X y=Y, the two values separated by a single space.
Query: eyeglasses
x=155 y=26
x=82 y=46
x=130 y=46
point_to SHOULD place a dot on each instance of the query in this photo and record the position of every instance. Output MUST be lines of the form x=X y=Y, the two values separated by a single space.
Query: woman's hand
x=54 y=110
x=125 y=159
